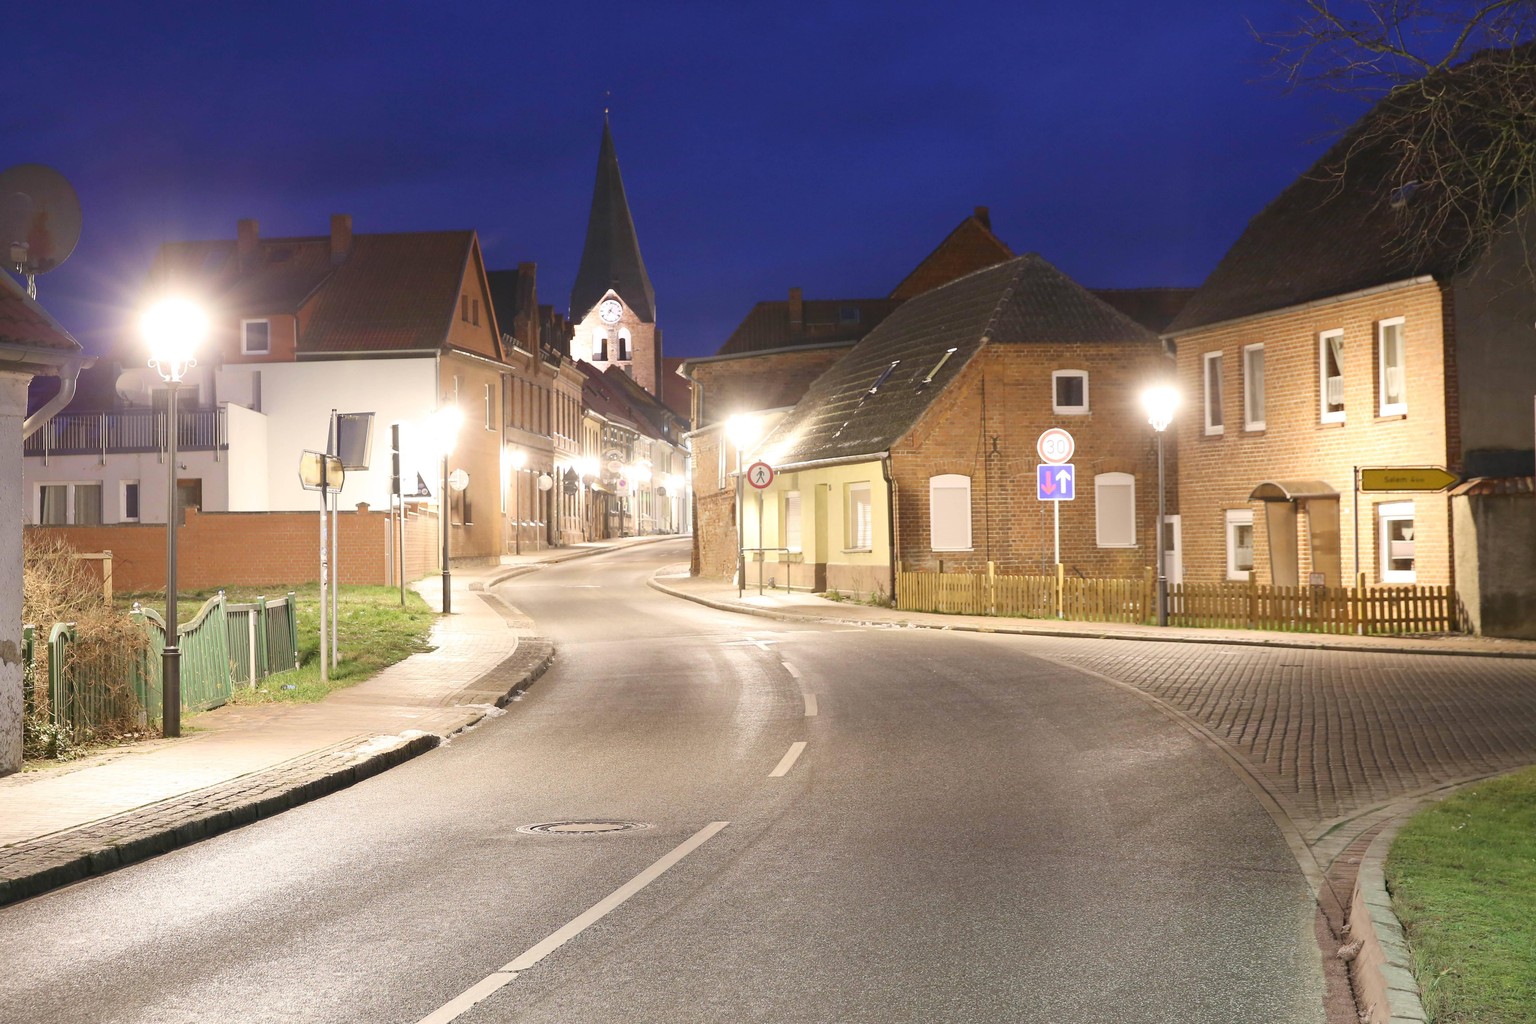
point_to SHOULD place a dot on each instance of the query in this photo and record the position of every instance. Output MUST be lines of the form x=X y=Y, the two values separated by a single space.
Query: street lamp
x=516 y=460
x=1159 y=401
x=443 y=429
x=173 y=328
x=741 y=430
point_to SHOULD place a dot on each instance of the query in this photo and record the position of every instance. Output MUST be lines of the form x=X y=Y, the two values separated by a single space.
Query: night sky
x=829 y=146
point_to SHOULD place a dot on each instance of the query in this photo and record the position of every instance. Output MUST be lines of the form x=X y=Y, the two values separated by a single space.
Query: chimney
x=341 y=237
x=247 y=234
x=796 y=311
x=983 y=215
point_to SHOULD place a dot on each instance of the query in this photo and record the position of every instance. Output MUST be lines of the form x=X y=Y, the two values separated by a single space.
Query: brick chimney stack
x=985 y=216
x=247 y=235
x=796 y=311
x=341 y=237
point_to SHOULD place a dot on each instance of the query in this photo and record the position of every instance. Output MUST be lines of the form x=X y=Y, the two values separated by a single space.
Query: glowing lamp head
x=1160 y=401
x=443 y=429
x=742 y=430
x=516 y=458
x=173 y=328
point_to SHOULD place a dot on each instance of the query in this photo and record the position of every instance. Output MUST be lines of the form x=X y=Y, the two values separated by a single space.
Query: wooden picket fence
x=1378 y=609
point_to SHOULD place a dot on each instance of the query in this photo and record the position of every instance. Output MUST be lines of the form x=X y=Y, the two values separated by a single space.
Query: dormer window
x=255 y=337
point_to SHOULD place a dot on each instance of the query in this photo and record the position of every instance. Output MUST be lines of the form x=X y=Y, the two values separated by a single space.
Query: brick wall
x=1218 y=472
x=768 y=381
x=985 y=426
x=219 y=549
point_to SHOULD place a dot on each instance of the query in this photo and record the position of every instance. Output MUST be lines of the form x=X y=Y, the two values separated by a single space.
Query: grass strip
x=1462 y=874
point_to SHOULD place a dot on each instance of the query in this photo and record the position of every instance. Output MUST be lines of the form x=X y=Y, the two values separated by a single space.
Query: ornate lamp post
x=1159 y=402
x=443 y=429
x=173 y=328
x=741 y=430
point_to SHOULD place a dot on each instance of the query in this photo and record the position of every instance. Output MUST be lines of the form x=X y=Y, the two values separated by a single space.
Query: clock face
x=610 y=311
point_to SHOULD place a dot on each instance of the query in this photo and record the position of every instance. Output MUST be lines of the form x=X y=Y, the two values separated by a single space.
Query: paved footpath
x=238 y=763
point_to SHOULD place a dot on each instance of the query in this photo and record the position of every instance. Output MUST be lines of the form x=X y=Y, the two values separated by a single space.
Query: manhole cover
x=582 y=828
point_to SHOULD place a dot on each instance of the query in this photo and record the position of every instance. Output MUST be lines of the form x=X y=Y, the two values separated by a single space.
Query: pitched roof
x=676 y=390
x=970 y=247
x=392 y=293
x=275 y=278
x=769 y=324
x=611 y=256
x=1342 y=226
x=23 y=322
x=875 y=394
x=1153 y=308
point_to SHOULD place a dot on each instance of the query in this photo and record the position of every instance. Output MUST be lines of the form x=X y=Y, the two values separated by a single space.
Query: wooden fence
x=1378 y=609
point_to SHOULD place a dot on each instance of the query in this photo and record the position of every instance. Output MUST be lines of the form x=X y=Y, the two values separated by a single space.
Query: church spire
x=611 y=256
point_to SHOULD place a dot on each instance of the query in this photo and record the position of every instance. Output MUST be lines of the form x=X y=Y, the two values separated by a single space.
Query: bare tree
x=1453 y=134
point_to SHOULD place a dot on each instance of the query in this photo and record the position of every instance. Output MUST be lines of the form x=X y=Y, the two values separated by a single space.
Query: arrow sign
x=1406 y=478
x=1056 y=483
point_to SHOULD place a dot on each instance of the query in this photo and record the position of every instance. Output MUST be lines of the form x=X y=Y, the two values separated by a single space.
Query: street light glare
x=173 y=328
x=742 y=430
x=1160 y=401
x=443 y=428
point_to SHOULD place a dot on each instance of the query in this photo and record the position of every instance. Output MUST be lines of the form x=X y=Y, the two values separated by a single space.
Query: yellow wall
x=822 y=564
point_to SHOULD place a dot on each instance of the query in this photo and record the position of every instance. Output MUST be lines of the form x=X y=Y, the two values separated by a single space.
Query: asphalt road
x=968 y=833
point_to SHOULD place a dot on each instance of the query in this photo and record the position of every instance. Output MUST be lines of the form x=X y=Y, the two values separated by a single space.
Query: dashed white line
x=789 y=760
x=495 y=981
x=810 y=705
x=794 y=672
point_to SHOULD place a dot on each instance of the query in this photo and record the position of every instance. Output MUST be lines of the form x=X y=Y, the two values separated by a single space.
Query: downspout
x=69 y=376
x=890 y=518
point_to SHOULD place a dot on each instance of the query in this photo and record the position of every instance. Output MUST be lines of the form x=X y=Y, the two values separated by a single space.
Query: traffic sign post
x=759 y=475
x=1406 y=478
x=1055 y=446
x=1056 y=483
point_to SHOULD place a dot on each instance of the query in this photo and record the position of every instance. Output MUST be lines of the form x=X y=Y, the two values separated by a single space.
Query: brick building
x=1324 y=341
x=919 y=444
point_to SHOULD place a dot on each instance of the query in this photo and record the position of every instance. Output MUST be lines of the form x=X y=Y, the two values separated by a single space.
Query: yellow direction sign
x=1406 y=478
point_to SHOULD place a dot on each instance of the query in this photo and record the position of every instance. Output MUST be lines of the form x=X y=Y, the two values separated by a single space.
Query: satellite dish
x=39 y=218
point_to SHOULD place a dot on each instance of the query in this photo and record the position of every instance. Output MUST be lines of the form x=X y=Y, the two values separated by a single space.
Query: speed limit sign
x=1055 y=446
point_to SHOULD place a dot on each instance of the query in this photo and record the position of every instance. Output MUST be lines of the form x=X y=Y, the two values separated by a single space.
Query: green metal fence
x=263 y=639
x=206 y=679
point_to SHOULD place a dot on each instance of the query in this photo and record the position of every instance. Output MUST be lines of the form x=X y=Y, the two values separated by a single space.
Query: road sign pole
x=760 y=563
x=325 y=661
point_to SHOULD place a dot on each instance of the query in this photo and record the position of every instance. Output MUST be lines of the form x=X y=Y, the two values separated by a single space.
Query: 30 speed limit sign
x=1055 y=446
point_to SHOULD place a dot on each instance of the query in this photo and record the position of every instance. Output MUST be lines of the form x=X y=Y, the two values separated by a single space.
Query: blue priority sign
x=1056 y=483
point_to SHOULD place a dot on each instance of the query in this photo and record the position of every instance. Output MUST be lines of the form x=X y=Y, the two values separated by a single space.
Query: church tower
x=612 y=305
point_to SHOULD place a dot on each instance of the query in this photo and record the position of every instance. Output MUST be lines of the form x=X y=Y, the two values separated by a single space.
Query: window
x=69 y=504
x=490 y=409
x=949 y=512
x=1330 y=358
x=848 y=314
x=1114 y=501
x=1213 y=424
x=1069 y=392
x=792 y=520
x=1395 y=528
x=1390 y=359
x=1239 y=544
x=130 y=502
x=474 y=312
x=256 y=337
x=600 y=348
x=1253 y=387
x=861 y=527
x=624 y=353
x=464 y=308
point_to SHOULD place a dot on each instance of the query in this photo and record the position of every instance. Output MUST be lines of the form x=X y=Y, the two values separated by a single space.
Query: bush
x=107 y=649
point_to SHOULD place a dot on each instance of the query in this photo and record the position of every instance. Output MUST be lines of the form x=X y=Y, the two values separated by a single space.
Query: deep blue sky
x=826 y=145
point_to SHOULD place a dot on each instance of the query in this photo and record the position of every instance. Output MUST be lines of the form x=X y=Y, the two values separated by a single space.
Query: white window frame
x=1237 y=517
x=1213 y=424
x=1116 y=538
x=861 y=529
x=1250 y=391
x=1389 y=512
x=1325 y=342
x=1384 y=407
x=70 y=515
x=794 y=525
x=944 y=533
x=1069 y=410
x=490 y=409
x=245 y=344
x=122 y=500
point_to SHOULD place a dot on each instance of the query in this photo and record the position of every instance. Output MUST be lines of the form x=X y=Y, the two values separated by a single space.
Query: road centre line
x=810 y=705
x=793 y=672
x=789 y=760
x=495 y=981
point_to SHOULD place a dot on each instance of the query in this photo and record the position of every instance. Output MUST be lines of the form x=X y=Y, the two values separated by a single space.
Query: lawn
x=1463 y=880
x=374 y=632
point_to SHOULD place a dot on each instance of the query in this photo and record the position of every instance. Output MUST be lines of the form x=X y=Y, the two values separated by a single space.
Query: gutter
x=890 y=518
x=843 y=460
x=1331 y=300
x=68 y=366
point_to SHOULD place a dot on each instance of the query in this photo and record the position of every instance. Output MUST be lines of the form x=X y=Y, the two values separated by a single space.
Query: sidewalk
x=802 y=607
x=241 y=762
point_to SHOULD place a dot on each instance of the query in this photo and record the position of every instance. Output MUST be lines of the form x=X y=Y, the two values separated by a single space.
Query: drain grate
x=582 y=828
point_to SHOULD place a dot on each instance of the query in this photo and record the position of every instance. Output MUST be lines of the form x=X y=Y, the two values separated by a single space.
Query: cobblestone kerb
x=1381 y=970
